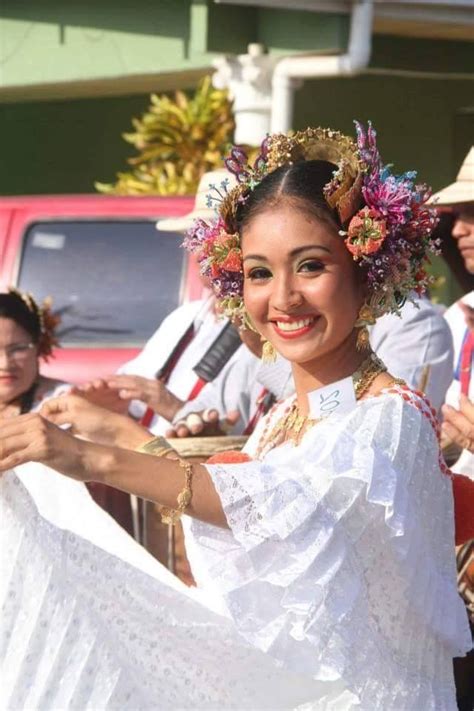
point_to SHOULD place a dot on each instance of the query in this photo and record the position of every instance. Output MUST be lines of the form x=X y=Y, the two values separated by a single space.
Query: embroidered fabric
x=340 y=558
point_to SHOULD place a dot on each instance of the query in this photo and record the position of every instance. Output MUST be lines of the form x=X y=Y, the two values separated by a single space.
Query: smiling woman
x=330 y=550
x=301 y=284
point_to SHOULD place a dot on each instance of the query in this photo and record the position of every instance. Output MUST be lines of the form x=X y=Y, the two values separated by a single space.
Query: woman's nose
x=285 y=294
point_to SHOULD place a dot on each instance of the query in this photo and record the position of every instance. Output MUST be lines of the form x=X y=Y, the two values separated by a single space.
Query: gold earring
x=269 y=354
x=365 y=318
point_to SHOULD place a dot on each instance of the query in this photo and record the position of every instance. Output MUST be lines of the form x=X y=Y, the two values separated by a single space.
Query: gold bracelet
x=160 y=447
x=172 y=516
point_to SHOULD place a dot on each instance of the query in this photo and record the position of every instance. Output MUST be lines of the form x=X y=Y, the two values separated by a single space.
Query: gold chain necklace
x=292 y=425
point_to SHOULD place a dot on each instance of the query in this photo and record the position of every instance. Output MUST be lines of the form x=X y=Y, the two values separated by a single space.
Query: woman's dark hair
x=302 y=183
x=13 y=307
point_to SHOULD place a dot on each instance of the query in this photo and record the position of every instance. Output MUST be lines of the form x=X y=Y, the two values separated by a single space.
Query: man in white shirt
x=458 y=412
x=458 y=423
x=189 y=348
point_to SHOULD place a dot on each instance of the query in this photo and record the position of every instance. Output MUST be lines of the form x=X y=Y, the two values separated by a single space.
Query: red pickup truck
x=112 y=275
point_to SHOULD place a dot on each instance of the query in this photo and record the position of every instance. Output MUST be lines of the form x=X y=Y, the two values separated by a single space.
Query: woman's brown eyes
x=259 y=273
x=311 y=265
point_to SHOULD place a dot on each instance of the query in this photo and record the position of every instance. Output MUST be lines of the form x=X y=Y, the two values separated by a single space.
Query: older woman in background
x=26 y=336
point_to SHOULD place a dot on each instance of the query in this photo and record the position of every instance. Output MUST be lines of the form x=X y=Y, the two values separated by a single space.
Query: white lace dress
x=337 y=575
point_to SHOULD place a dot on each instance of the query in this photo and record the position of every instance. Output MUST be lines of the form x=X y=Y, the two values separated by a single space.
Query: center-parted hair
x=301 y=183
x=13 y=307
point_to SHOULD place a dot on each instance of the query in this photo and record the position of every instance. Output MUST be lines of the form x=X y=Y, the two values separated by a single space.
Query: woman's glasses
x=18 y=352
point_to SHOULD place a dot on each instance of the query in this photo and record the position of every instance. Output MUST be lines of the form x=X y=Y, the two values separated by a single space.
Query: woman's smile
x=294 y=327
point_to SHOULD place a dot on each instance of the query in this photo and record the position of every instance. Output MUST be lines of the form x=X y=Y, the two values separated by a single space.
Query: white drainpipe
x=291 y=69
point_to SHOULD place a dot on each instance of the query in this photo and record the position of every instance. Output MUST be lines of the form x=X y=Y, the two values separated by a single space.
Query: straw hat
x=462 y=190
x=200 y=209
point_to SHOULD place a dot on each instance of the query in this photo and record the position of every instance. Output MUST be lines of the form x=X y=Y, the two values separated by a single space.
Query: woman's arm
x=32 y=438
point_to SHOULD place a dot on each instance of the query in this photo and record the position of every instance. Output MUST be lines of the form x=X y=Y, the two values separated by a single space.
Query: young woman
x=331 y=549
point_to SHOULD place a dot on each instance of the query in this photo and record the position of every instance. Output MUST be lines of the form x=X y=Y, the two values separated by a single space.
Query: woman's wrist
x=129 y=434
x=96 y=462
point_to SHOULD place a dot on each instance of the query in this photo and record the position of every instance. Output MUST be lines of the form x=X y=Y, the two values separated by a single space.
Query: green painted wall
x=422 y=124
x=416 y=119
x=49 y=41
x=64 y=146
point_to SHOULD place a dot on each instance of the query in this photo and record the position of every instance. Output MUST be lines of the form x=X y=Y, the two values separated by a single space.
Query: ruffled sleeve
x=339 y=561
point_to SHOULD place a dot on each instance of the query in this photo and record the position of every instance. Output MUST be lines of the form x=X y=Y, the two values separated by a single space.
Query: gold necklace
x=292 y=425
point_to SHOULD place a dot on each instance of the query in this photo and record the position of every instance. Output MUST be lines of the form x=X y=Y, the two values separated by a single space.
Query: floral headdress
x=386 y=223
x=48 y=321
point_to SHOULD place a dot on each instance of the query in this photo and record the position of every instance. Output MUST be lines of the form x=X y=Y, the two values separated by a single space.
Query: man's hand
x=93 y=422
x=458 y=425
x=152 y=392
x=203 y=424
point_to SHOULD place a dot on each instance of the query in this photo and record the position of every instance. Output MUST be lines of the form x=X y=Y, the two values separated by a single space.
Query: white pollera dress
x=337 y=577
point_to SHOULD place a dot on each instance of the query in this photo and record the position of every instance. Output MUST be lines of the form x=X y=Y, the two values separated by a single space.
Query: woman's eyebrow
x=293 y=253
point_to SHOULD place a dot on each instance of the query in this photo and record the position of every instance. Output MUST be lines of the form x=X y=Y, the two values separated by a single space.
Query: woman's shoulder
x=397 y=425
x=409 y=399
x=397 y=409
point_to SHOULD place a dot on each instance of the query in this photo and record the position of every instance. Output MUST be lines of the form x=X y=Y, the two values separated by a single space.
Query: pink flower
x=391 y=195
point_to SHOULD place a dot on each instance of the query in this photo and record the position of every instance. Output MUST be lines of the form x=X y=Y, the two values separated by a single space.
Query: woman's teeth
x=294 y=325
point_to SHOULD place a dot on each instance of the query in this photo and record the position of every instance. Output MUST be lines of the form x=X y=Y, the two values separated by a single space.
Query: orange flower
x=233 y=261
x=366 y=232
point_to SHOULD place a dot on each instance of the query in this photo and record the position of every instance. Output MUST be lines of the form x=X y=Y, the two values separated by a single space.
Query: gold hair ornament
x=386 y=221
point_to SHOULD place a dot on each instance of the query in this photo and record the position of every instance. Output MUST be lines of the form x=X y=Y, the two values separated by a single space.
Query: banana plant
x=177 y=141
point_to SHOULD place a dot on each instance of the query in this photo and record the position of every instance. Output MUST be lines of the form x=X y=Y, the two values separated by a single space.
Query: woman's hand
x=152 y=392
x=93 y=422
x=31 y=438
x=458 y=425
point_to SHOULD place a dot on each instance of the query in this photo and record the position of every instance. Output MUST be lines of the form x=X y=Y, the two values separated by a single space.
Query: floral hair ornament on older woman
x=384 y=219
x=47 y=321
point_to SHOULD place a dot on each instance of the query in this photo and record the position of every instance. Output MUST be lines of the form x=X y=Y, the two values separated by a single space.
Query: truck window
x=112 y=282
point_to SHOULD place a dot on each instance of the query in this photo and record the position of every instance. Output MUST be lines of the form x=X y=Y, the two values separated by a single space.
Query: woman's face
x=18 y=361
x=301 y=286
